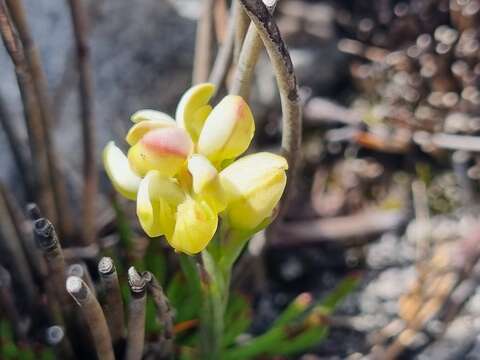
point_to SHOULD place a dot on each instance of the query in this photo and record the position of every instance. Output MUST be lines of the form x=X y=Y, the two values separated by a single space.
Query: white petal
x=118 y=170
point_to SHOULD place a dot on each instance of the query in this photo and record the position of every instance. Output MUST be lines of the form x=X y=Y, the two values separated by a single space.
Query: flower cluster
x=183 y=173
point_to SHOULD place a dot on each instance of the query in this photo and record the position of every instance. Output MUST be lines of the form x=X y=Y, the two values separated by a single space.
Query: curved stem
x=248 y=58
x=287 y=84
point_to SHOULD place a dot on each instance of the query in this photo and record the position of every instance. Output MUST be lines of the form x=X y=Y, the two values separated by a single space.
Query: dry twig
x=248 y=58
x=17 y=12
x=113 y=299
x=203 y=44
x=93 y=314
x=79 y=20
x=287 y=84
x=41 y=177
x=164 y=314
x=136 y=315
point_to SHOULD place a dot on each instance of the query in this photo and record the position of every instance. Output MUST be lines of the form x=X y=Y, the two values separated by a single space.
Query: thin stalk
x=47 y=240
x=164 y=314
x=69 y=75
x=93 y=315
x=33 y=120
x=241 y=28
x=136 y=315
x=8 y=305
x=12 y=252
x=287 y=85
x=17 y=12
x=113 y=307
x=55 y=336
x=203 y=44
x=248 y=58
x=80 y=270
x=224 y=56
x=17 y=147
x=79 y=20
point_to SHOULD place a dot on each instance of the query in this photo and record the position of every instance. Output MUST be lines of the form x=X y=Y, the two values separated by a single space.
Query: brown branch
x=224 y=56
x=17 y=147
x=287 y=85
x=93 y=314
x=113 y=307
x=241 y=28
x=64 y=217
x=69 y=76
x=136 y=315
x=80 y=270
x=79 y=20
x=9 y=307
x=47 y=240
x=40 y=169
x=248 y=58
x=203 y=44
x=13 y=255
x=164 y=314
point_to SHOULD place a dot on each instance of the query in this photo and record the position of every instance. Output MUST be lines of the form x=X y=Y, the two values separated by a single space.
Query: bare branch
x=248 y=58
x=136 y=315
x=164 y=314
x=203 y=44
x=17 y=12
x=113 y=299
x=33 y=119
x=287 y=84
x=93 y=314
x=79 y=19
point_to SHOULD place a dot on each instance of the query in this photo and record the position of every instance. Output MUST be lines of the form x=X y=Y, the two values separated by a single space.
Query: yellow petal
x=202 y=170
x=228 y=130
x=125 y=181
x=253 y=186
x=165 y=150
x=138 y=130
x=151 y=115
x=157 y=199
x=195 y=226
x=191 y=111
x=206 y=182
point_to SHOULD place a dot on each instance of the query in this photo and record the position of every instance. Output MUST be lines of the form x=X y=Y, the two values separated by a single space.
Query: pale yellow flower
x=175 y=170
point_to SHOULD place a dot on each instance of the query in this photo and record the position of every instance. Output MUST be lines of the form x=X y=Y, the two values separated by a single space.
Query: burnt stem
x=136 y=315
x=93 y=315
x=113 y=306
x=164 y=314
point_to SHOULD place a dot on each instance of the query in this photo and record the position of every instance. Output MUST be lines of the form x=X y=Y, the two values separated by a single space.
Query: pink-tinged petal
x=165 y=150
x=253 y=186
x=138 y=130
x=168 y=141
x=228 y=130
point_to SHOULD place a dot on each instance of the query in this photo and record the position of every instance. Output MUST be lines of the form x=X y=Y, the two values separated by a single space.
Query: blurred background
x=388 y=186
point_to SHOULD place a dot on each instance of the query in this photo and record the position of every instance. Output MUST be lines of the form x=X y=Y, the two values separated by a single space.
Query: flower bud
x=193 y=108
x=253 y=185
x=125 y=181
x=227 y=131
x=165 y=150
x=195 y=226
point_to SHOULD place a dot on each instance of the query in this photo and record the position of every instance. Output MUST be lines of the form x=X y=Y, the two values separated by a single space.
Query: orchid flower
x=183 y=173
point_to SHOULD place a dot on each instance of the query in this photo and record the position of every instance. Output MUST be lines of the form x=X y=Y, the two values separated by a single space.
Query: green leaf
x=301 y=342
x=238 y=318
